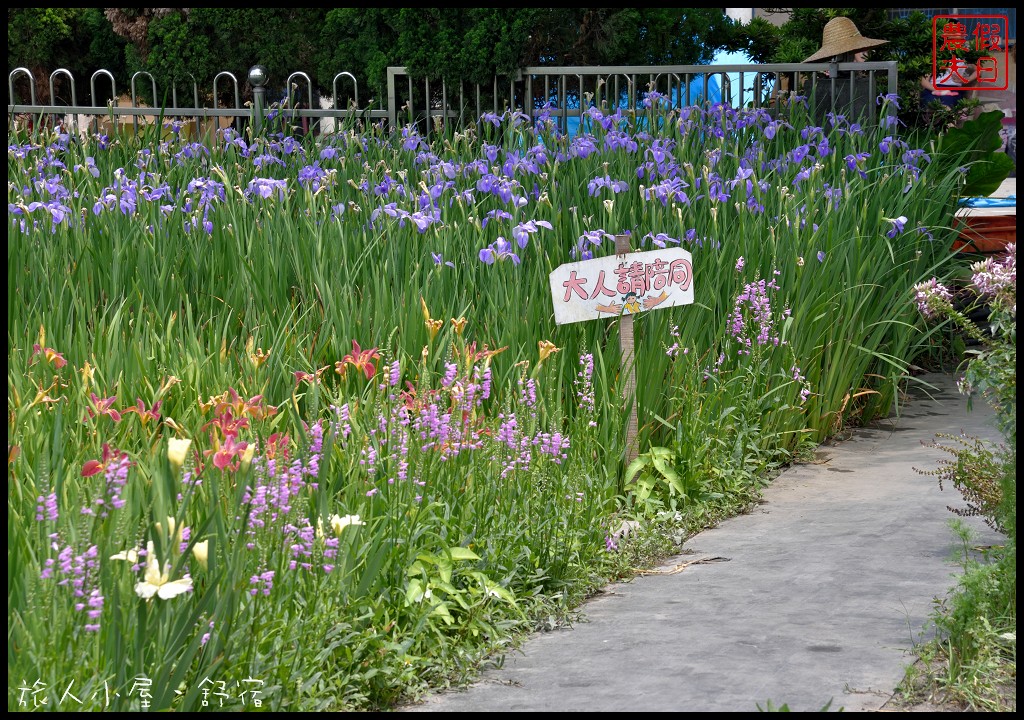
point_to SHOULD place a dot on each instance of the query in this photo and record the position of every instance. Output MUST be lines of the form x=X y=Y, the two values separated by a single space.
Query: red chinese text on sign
x=961 y=38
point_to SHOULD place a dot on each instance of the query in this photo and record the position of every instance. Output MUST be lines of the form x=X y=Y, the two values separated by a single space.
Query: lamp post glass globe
x=258 y=75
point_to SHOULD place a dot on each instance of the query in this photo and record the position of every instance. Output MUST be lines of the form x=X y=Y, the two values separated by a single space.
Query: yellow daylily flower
x=247 y=454
x=87 y=371
x=201 y=552
x=257 y=356
x=433 y=326
x=43 y=395
x=338 y=523
x=546 y=348
x=169 y=382
x=177 y=451
x=171 y=523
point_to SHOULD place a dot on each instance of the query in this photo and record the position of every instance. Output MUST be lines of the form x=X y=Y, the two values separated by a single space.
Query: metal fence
x=563 y=94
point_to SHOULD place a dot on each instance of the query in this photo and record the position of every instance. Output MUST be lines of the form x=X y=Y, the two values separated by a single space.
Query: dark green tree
x=80 y=40
x=177 y=45
x=361 y=41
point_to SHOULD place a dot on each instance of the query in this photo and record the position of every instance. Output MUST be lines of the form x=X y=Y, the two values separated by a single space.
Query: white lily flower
x=131 y=556
x=340 y=523
x=157 y=582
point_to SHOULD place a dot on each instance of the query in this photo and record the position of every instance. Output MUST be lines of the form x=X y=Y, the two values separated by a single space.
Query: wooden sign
x=622 y=286
x=625 y=284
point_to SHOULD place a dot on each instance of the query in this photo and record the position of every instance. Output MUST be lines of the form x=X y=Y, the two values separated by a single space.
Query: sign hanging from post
x=620 y=285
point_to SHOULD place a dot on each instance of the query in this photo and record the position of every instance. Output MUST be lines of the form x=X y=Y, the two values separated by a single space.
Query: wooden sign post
x=622 y=286
x=628 y=368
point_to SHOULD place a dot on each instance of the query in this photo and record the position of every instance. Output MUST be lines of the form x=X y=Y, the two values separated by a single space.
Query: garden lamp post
x=258 y=80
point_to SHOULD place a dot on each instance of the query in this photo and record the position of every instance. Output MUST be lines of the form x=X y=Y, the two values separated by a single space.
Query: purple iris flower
x=897 y=226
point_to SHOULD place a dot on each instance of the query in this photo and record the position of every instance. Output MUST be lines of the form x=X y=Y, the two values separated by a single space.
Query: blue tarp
x=987 y=202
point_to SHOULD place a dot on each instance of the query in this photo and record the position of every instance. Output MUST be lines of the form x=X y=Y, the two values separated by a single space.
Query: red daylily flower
x=360 y=360
x=103 y=406
x=94 y=467
x=228 y=424
x=412 y=401
x=226 y=453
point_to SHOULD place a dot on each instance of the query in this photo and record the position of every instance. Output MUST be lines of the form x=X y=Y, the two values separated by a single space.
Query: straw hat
x=841 y=36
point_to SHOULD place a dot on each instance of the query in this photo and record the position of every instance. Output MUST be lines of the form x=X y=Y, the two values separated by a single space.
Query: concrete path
x=819 y=595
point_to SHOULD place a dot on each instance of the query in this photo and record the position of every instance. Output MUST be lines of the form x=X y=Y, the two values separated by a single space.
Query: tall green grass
x=160 y=273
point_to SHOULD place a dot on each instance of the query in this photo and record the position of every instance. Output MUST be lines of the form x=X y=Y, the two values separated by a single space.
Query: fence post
x=258 y=80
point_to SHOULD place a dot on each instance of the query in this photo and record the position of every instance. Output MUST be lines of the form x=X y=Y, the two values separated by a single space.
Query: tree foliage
x=80 y=40
x=190 y=46
x=182 y=45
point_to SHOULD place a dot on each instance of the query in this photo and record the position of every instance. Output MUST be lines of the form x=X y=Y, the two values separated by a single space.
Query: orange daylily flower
x=50 y=355
x=472 y=355
x=145 y=415
x=211 y=402
x=313 y=377
x=277 y=443
x=253 y=407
